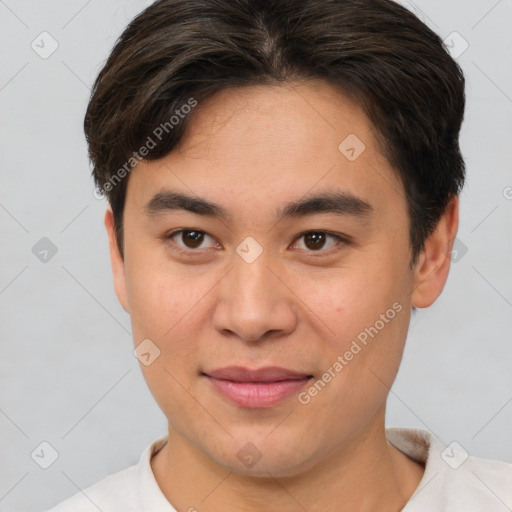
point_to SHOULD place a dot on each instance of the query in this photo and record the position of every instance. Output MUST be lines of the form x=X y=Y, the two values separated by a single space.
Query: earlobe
x=117 y=263
x=431 y=270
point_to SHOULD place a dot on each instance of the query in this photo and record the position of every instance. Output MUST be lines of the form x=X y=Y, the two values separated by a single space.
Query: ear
x=118 y=268
x=431 y=270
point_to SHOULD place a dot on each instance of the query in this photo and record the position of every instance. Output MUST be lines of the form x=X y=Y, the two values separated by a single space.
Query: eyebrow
x=168 y=201
x=338 y=202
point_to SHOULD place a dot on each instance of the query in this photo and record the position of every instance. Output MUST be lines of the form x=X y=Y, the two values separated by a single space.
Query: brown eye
x=318 y=241
x=314 y=241
x=191 y=239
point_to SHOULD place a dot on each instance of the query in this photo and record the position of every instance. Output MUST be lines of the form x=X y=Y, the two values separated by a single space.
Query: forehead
x=311 y=117
x=269 y=145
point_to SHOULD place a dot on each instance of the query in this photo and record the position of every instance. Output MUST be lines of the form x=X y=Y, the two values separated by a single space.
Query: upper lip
x=267 y=374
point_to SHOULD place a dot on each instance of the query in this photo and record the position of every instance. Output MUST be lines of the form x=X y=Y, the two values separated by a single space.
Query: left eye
x=312 y=241
x=318 y=240
x=190 y=238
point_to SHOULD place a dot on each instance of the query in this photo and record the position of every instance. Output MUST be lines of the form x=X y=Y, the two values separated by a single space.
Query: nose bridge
x=251 y=281
x=252 y=302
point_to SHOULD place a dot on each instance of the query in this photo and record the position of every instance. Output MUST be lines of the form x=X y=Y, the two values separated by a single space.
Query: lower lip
x=255 y=395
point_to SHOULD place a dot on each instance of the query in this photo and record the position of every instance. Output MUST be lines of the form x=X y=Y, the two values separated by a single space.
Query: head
x=327 y=133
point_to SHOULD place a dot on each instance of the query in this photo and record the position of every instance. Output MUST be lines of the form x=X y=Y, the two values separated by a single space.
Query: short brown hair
x=378 y=52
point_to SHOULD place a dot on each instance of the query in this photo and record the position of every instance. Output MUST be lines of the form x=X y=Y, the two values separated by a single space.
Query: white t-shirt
x=452 y=481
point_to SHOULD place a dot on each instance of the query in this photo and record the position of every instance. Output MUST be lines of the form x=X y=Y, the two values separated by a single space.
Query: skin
x=252 y=150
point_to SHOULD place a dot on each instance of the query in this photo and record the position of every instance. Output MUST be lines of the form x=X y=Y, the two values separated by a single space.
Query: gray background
x=68 y=375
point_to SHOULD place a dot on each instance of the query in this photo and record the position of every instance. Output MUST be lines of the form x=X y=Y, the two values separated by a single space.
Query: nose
x=253 y=303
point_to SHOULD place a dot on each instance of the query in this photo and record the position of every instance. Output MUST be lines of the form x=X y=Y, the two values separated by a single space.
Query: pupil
x=314 y=240
x=193 y=239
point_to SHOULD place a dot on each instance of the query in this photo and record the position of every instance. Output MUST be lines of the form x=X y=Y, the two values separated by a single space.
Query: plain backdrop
x=68 y=374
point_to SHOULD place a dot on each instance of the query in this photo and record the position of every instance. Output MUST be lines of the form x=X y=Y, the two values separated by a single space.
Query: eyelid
x=344 y=239
x=171 y=234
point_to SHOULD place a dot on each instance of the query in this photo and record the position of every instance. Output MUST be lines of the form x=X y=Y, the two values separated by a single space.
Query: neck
x=367 y=473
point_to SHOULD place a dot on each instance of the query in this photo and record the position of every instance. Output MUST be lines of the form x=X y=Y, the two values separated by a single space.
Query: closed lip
x=266 y=374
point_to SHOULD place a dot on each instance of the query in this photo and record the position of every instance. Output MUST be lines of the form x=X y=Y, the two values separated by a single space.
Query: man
x=283 y=181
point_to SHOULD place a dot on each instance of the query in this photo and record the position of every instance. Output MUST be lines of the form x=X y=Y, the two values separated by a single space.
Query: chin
x=264 y=458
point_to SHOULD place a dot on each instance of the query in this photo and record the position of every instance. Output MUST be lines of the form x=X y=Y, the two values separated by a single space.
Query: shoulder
x=114 y=492
x=478 y=483
x=131 y=490
x=453 y=480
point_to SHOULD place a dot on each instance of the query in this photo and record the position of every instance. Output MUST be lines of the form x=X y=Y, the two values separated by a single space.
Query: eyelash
x=345 y=240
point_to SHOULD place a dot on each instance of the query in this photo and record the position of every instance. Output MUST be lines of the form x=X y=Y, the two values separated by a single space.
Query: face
x=291 y=253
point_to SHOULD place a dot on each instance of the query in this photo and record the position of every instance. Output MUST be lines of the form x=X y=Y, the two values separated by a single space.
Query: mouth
x=256 y=389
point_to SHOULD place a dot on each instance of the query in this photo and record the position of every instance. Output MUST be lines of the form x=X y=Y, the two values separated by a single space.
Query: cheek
x=361 y=313
x=367 y=320
x=344 y=301
x=161 y=297
x=169 y=310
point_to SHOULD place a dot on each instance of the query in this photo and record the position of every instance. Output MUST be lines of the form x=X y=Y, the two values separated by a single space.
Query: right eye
x=189 y=239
